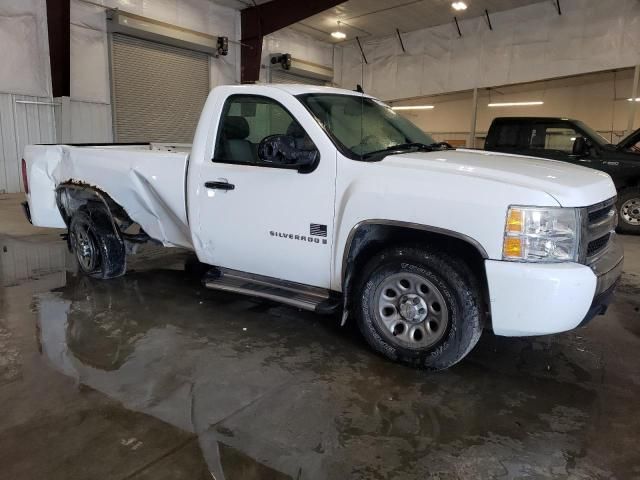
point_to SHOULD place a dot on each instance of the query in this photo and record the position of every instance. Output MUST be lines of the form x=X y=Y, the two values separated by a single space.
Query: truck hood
x=571 y=185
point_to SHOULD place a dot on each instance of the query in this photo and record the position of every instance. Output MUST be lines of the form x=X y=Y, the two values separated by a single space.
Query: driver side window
x=247 y=120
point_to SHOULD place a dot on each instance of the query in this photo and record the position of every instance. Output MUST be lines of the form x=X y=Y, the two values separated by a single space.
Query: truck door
x=260 y=216
x=556 y=140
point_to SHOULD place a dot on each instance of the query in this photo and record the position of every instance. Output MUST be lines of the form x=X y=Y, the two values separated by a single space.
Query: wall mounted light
x=631 y=99
x=515 y=104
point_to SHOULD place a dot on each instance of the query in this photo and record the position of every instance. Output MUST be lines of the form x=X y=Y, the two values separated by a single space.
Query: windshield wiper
x=400 y=147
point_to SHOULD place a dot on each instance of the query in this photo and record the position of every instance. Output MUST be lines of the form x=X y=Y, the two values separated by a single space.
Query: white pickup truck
x=328 y=200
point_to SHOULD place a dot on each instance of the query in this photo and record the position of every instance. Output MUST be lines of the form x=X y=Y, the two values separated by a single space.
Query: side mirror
x=581 y=147
x=281 y=150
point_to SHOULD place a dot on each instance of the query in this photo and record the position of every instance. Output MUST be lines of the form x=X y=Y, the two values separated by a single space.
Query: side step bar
x=297 y=295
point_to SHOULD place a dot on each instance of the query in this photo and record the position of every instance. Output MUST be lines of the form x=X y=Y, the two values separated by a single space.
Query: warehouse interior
x=153 y=375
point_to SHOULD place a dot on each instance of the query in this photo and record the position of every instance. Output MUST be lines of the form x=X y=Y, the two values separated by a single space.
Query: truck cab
x=572 y=141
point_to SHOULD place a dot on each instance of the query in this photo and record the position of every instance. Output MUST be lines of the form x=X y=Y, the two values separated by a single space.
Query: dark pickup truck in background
x=574 y=142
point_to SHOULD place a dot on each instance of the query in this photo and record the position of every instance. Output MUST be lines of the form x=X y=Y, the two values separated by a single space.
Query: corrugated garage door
x=159 y=90
x=282 y=76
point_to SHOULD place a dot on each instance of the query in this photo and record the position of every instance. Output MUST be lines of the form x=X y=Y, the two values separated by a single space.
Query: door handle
x=220 y=185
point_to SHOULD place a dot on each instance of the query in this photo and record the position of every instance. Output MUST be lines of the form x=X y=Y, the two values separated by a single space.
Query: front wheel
x=629 y=211
x=419 y=306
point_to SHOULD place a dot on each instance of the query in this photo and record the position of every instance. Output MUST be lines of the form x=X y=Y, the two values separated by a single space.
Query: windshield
x=363 y=127
x=631 y=141
x=599 y=139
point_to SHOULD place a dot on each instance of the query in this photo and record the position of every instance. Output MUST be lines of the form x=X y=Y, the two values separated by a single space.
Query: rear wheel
x=419 y=306
x=99 y=251
x=629 y=210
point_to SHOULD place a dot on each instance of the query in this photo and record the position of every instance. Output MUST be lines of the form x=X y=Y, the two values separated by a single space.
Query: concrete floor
x=152 y=376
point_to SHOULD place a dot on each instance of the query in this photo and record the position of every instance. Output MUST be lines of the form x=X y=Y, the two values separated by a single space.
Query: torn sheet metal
x=148 y=181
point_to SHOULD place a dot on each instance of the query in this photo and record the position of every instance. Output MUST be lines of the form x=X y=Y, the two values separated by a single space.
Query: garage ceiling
x=376 y=18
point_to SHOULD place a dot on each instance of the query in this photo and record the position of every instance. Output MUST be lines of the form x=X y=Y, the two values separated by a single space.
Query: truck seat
x=234 y=143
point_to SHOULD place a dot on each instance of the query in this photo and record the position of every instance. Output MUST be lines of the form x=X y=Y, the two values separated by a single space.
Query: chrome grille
x=599 y=225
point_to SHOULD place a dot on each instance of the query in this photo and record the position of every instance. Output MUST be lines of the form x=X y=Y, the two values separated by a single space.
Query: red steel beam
x=261 y=20
x=59 y=29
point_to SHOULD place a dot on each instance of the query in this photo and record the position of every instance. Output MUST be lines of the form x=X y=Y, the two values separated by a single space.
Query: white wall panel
x=20 y=125
x=526 y=44
x=90 y=122
x=89 y=53
x=24 y=48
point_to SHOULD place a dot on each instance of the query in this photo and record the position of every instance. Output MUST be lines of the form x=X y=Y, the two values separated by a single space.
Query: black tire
x=456 y=285
x=99 y=251
x=629 y=210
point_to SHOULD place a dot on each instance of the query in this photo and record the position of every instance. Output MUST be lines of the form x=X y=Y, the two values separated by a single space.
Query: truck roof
x=300 y=89
x=533 y=119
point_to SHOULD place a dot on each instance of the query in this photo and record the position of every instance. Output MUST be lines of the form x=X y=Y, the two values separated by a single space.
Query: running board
x=297 y=295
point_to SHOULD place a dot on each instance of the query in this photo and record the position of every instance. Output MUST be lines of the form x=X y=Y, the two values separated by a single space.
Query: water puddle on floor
x=151 y=375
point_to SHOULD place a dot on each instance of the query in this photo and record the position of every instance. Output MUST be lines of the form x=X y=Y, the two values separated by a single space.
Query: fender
x=347 y=258
x=409 y=225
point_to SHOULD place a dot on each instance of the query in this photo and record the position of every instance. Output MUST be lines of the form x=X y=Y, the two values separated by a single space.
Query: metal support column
x=471 y=143
x=265 y=18
x=59 y=30
x=634 y=102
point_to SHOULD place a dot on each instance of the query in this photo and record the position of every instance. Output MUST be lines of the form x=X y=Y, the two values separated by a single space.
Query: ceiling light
x=631 y=99
x=339 y=35
x=459 y=6
x=515 y=104
x=414 y=107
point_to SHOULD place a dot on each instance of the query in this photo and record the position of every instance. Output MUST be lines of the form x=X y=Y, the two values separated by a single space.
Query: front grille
x=598 y=245
x=599 y=214
x=600 y=223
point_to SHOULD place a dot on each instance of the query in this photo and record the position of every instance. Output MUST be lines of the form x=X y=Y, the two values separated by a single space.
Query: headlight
x=548 y=234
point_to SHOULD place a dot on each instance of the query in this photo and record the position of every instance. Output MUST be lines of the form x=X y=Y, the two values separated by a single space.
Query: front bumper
x=539 y=299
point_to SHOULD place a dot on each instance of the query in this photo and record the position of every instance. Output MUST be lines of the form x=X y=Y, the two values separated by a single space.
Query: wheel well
x=369 y=239
x=70 y=197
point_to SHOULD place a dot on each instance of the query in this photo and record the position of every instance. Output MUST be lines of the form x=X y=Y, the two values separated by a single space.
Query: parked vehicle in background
x=574 y=142
x=330 y=201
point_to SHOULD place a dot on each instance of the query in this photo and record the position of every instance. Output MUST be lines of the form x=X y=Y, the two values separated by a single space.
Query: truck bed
x=147 y=180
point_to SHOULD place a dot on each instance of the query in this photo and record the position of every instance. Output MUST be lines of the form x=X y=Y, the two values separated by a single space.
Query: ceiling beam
x=266 y=18
x=59 y=32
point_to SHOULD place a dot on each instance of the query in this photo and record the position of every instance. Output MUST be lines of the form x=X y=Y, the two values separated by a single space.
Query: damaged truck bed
x=147 y=179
